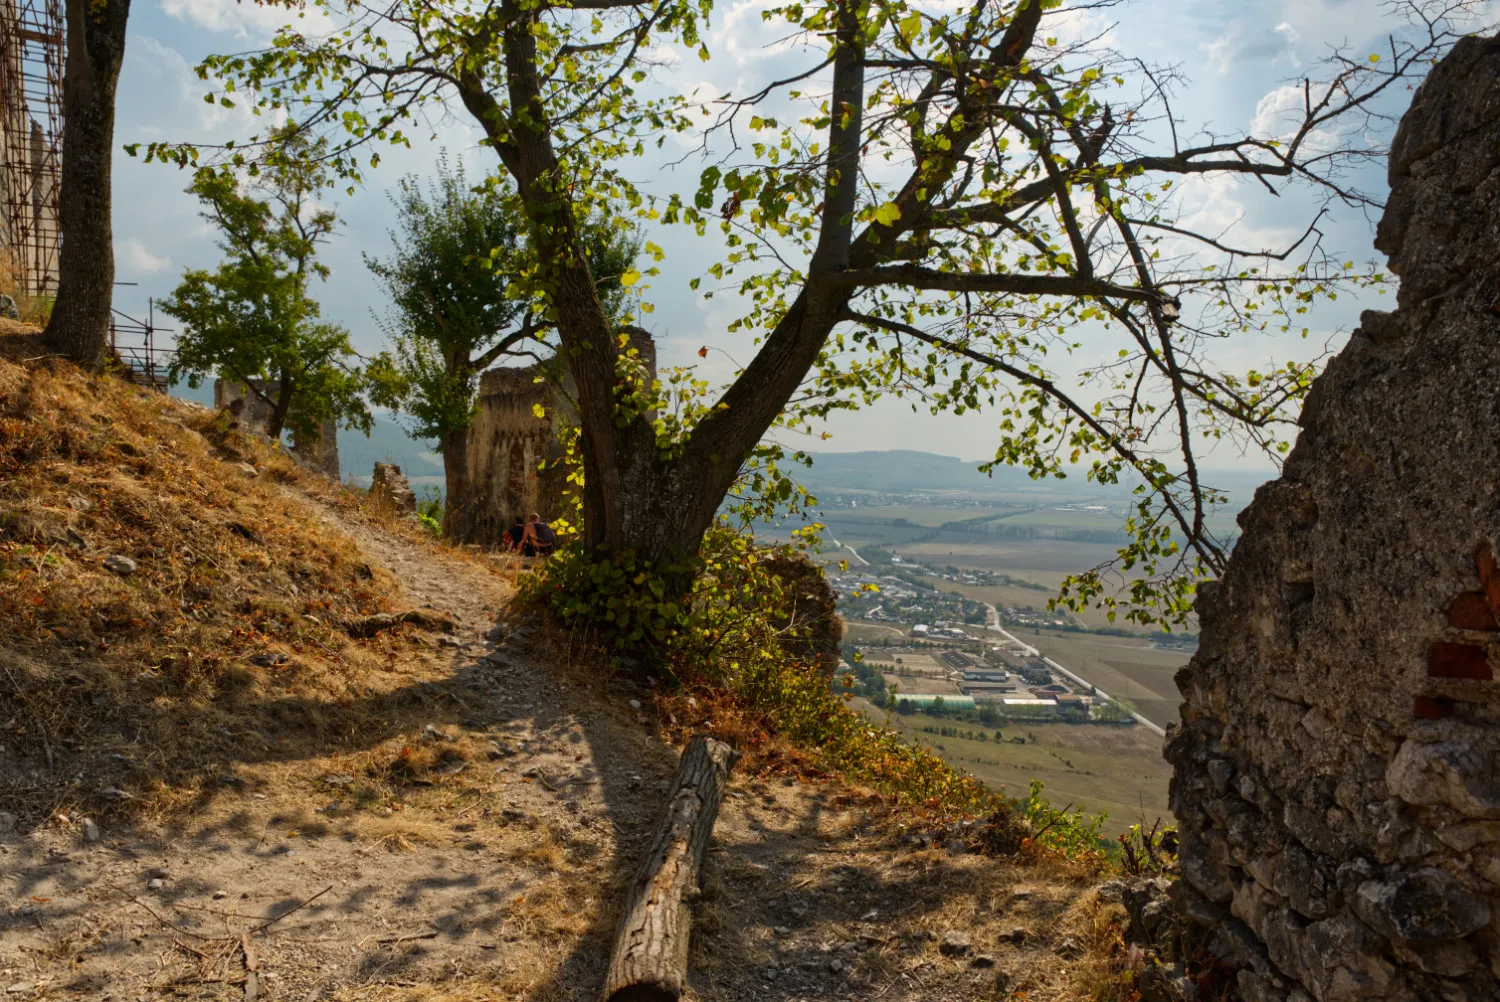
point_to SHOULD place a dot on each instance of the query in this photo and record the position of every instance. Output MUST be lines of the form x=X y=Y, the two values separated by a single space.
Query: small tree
x=252 y=319
x=460 y=302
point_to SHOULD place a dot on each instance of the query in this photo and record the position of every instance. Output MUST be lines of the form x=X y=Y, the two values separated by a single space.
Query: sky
x=1238 y=64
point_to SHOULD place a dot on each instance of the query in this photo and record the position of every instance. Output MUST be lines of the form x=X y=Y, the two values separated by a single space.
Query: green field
x=1117 y=771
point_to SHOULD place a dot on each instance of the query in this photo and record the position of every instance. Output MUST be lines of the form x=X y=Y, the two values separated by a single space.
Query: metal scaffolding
x=132 y=341
x=31 y=73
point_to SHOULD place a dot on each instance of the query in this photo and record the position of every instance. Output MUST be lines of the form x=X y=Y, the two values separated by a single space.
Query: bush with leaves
x=723 y=639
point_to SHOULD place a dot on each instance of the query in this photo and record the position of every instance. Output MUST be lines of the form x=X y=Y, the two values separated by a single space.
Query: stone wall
x=514 y=455
x=319 y=451
x=1337 y=773
x=508 y=445
x=390 y=493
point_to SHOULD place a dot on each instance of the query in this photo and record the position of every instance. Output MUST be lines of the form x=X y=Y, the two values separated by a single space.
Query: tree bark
x=650 y=956
x=457 y=503
x=277 y=420
x=79 y=326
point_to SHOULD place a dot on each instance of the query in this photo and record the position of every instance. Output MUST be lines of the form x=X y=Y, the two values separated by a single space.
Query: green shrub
x=430 y=509
x=734 y=634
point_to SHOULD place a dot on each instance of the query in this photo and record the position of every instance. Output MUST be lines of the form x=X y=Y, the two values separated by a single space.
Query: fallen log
x=650 y=957
x=427 y=619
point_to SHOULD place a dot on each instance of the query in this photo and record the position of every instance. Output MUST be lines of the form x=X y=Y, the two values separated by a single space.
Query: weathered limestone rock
x=1337 y=775
x=390 y=492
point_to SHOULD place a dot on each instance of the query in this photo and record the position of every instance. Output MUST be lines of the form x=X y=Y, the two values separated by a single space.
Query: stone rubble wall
x=319 y=452
x=1337 y=768
x=508 y=446
x=390 y=492
x=513 y=451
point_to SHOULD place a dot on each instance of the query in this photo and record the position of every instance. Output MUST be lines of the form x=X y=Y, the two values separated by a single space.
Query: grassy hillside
x=168 y=604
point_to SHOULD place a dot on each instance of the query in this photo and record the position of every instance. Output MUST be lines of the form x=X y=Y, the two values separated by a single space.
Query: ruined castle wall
x=514 y=455
x=509 y=444
x=319 y=451
x=1337 y=773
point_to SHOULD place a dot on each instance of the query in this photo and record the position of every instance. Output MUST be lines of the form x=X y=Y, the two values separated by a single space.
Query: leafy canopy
x=954 y=199
x=460 y=282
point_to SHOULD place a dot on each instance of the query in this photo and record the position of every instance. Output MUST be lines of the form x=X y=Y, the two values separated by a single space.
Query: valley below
x=944 y=577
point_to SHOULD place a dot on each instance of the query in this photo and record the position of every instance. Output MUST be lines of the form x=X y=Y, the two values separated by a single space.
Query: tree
x=79 y=326
x=460 y=303
x=253 y=319
x=959 y=191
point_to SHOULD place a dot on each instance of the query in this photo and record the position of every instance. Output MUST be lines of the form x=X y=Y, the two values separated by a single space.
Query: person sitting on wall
x=539 y=535
x=515 y=539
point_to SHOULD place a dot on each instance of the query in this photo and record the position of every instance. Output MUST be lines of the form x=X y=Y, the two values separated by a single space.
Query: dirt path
x=480 y=853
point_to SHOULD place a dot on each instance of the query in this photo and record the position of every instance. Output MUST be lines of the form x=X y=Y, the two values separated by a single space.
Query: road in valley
x=994 y=626
x=851 y=549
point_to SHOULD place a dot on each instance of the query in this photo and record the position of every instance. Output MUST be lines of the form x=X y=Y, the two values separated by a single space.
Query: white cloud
x=1278 y=112
x=188 y=116
x=244 y=20
x=1281 y=112
x=138 y=260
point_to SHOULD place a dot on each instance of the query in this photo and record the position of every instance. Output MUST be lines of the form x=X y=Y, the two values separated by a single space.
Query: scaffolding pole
x=31 y=119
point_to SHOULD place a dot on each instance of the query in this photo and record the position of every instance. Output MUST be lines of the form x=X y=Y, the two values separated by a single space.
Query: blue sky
x=1237 y=60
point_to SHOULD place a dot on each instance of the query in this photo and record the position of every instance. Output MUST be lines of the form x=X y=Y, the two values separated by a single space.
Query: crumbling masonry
x=514 y=450
x=1338 y=762
x=319 y=451
x=514 y=453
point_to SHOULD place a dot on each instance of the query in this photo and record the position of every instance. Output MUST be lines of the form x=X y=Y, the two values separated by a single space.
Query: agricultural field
x=1115 y=771
x=864 y=633
x=919 y=685
x=917 y=664
x=1001 y=596
x=1122 y=666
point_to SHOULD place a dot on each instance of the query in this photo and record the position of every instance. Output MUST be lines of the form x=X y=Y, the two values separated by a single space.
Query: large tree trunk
x=650 y=956
x=457 y=514
x=79 y=327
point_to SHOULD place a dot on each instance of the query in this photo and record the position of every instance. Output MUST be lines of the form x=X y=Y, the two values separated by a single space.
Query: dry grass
x=1108 y=968
x=148 y=690
x=33 y=309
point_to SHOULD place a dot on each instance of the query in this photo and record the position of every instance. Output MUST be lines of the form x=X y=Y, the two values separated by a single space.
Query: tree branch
x=917 y=277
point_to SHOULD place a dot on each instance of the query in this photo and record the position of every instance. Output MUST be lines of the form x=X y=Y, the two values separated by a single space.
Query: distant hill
x=902 y=471
x=897 y=471
x=389 y=443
